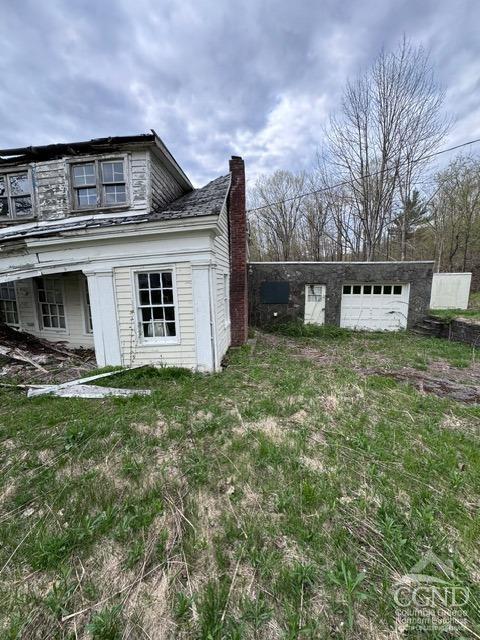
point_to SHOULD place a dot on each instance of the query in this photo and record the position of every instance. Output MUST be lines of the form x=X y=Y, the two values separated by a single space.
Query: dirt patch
x=465 y=425
x=330 y=403
x=158 y=429
x=270 y=427
x=314 y=464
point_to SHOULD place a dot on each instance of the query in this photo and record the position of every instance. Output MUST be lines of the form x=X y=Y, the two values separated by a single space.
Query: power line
x=368 y=175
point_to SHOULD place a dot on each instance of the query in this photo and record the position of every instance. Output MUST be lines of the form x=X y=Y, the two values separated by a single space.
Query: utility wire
x=368 y=175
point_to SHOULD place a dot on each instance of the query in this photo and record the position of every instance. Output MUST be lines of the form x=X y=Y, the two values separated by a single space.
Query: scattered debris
x=90 y=391
x=29 y=359
x=82 y=382
x=21 y=356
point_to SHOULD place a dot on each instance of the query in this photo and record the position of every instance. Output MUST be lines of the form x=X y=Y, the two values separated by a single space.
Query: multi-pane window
x=88 y=308
x=376 y=289
x=156 y=306
x=8 y=304
x=99 y=184
x=314 y=292
x=50 y=303
x=16 y=195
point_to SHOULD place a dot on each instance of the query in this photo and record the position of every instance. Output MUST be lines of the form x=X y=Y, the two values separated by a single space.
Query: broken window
x=16 y=195
x=50 y=303
x=99 y=184
x=156 y=306
x=8 y=304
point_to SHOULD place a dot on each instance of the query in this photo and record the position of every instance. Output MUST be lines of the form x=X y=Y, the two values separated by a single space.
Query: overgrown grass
x=282 y=498
x=297 y=329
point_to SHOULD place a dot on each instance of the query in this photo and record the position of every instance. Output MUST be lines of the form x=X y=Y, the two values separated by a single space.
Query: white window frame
x=53 y=330
x=2 y=300
x=10 y=198
x=86 y=308
x=382 y=285
x=100 y=204
x=157 y=340
x=226 y=298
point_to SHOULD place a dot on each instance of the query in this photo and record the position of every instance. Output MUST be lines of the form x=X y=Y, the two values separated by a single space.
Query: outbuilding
x=384 y=296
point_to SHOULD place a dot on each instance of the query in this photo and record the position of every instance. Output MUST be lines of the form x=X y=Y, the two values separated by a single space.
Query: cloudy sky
x=217 y=77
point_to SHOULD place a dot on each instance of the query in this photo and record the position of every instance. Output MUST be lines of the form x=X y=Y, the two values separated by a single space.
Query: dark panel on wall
x=274 y=292
x=334 y=275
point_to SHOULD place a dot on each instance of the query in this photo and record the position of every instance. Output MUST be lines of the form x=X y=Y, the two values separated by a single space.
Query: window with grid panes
x=8 y=304
x=50 y=303
x=98 y=184
x=156 y=306
x=16 y=195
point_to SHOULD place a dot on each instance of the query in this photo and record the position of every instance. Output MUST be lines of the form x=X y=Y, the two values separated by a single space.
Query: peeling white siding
x=75 y=334
x=222 y=259
x=50 y=189
x=138 y=174
x=164 y=187
x=134 y=352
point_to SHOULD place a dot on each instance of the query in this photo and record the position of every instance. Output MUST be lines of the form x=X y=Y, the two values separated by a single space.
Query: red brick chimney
x=238 y=253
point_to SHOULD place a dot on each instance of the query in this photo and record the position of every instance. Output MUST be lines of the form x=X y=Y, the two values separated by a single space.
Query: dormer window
x=99 y=184
x=16 y=195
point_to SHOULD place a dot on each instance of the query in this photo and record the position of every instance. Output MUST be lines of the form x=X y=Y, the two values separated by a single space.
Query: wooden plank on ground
x=72 y=383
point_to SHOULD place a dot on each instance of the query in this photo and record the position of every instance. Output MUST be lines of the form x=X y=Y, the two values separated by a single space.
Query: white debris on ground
x=43 y=367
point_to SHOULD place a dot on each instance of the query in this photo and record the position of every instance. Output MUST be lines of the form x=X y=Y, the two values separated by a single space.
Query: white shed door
x=315 y=304
x=375 y=307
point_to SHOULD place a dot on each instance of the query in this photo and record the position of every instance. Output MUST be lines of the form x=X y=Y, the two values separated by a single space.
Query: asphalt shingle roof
x=206 y=201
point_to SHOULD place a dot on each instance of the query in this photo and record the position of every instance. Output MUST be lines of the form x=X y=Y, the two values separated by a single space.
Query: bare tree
x=390 y=122
x=456 y=214
x=279 y=211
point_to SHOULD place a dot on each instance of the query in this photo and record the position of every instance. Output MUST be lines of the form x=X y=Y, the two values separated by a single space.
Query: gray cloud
x=216 y=78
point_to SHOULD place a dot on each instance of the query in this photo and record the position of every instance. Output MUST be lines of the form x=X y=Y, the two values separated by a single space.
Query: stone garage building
x=357 y=295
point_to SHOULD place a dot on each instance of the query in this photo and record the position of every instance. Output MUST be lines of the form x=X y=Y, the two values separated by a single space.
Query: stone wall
x=464 y=331
x=334 y=275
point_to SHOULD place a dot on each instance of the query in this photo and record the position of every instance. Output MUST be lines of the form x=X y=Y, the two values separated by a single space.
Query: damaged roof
x=206 y=201
x=200 y=202
x=24 y=155
x=55 y=151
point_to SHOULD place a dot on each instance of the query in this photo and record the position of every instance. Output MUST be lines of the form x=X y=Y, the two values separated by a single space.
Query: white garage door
x=375 y=307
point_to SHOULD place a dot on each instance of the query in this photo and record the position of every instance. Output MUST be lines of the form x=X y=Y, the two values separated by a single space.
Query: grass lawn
x=282 y=498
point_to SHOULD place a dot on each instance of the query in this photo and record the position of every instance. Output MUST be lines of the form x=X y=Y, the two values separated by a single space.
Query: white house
x=106 y=244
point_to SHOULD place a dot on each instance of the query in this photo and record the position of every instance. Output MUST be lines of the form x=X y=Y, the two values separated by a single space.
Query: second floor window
x=99 y=184
x=16 y=195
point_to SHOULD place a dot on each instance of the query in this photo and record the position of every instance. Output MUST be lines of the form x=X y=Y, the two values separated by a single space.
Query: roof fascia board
x=206 y=224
